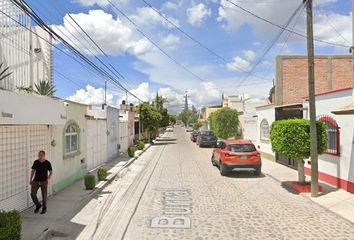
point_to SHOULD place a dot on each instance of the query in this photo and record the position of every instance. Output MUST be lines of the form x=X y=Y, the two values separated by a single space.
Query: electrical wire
x=197 y=41
x=272 y=43
x=282 y=27
x=155 y=44
x=27 y=9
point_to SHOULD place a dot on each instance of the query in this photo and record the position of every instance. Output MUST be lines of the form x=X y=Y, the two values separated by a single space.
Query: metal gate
x=19 y=146
x=96 y=143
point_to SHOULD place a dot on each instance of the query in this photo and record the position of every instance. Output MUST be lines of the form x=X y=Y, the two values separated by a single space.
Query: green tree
x=165 y=118
x=291 y=138
x=188 y=117
x=150 y=118
x=197 y=125
x=3 y=73
x=44 y=88
x=224 y=123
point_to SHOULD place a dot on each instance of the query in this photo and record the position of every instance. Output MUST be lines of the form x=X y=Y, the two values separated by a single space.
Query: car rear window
x=242 y=148
x=207 y=133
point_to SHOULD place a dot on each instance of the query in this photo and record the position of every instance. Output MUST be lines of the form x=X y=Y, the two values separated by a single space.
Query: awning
x=346 y=110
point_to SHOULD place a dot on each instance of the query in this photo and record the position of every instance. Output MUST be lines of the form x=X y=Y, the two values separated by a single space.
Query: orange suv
x=236 y=155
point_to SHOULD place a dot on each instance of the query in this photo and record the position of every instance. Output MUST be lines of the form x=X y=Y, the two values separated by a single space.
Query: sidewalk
x=334 y=199
x=68 y=201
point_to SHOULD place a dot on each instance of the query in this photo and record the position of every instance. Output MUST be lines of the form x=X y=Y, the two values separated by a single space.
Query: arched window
x=333 y=135
x=264 y=127
x=71 y=138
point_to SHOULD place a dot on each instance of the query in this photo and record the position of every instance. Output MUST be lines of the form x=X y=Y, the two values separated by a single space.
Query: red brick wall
x=292 y=77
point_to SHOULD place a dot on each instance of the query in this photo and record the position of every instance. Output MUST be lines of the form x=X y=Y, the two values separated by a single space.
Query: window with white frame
x=71 y=138
x=264 y=127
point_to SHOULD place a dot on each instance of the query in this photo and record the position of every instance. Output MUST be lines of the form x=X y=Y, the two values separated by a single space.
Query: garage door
x=96 y=143
x=19 y=146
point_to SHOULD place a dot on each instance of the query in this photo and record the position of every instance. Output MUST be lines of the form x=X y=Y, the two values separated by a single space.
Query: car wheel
x=213 y=160
x=258 y=171
x=222 y=169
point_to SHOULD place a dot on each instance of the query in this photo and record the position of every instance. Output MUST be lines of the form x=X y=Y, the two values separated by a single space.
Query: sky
x=238 y=56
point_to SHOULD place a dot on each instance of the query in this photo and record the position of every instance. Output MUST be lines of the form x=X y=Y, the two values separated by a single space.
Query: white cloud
x=143 y=46
x=171 y=41
x=147 y=17
x=206 y=94
x=109 y=33
x=238 y=64
x=170 y=6
x=250 y=55
x=91 y=96
x=333 y=27
x=233 y=18
x=197 y=13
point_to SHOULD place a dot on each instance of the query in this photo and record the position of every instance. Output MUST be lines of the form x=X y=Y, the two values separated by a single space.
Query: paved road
x=173 y=192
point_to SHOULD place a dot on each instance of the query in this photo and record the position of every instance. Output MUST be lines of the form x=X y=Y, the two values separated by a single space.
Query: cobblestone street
x=174 y=192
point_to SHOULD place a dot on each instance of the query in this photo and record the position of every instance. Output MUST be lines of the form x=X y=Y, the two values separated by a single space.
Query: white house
x=336 y=166
x=68 y=151
x=26 y=125
x=28 y=54
x=247 y=114
x=265 y=116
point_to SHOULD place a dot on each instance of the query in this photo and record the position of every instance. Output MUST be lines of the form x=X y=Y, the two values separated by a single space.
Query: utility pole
x=186 y=101
x=312 y=100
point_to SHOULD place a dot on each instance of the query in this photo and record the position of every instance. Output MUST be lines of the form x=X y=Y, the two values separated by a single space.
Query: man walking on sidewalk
x=40 y=169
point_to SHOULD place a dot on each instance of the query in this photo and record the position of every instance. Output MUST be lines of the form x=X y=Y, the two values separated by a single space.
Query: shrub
x=140 y=145
x=291 y=138
x=10 y=225
x=90 y=181
x=224 y=123
x=131 y=151
x=101 y=174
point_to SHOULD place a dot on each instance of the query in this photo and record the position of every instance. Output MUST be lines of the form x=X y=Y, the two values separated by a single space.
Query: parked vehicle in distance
x=236 y=155
x=189 y=129
x=194 y=136
x=206 y=138
x=169 y=129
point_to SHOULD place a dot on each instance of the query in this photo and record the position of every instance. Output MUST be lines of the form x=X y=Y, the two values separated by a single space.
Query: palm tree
x=3 y=73
x=44 y=88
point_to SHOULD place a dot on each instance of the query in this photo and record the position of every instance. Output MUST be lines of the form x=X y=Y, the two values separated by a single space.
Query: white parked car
x=169 y=129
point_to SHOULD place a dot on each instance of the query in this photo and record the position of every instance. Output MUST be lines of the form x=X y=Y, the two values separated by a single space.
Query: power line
x=282 y=27
x=91 y=43
x=155 y=44
x=19 y=47
x=272 y=43
x=27 y=9
x=197 y=41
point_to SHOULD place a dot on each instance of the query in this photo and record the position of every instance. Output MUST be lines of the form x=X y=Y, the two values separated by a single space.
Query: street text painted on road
x=177 y=204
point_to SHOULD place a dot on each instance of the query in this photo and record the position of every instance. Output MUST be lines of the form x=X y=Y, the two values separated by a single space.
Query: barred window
x=333 y=135
x=264 y=127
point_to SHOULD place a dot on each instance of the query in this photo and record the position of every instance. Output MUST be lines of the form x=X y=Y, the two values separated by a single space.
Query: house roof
x=346 y=110
x=288 y=105
x=329 y=92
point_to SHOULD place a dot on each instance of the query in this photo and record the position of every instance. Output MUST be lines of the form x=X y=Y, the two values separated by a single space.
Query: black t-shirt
x=42 y=169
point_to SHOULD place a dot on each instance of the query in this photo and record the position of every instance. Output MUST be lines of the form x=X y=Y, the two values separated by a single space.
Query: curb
x=98 y=189
x=102 y=184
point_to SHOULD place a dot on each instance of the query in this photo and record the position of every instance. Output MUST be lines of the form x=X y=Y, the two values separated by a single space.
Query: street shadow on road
x=243 y=174
x=166 y=139
x=163 y=143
